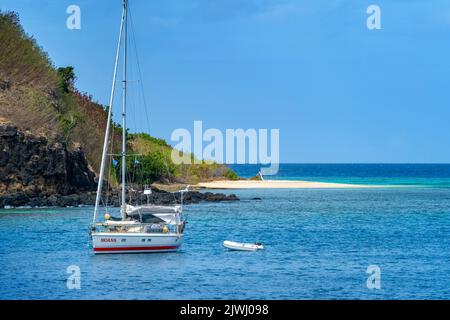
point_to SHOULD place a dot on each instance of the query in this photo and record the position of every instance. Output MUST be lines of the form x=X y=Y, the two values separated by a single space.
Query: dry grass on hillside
x=22 y=61
x=29 y=109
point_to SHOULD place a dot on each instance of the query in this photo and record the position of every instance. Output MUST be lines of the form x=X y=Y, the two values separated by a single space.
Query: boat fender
x=107 y=216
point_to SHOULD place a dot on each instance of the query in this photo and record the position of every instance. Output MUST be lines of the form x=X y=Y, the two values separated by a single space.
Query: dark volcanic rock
x=15 y=200
x=163 y=197
x=56 y=200
x=35 y=167
x=35 y=172
x=159 y=197
x=214 y=197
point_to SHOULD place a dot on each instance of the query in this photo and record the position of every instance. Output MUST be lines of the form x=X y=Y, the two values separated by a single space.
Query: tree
x=147 y=169
x=67 y=78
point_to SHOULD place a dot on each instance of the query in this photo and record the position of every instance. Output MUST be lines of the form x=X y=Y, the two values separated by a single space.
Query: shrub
x=66 y=78
x=147 y=168
x=230 y=174
x=149 y=138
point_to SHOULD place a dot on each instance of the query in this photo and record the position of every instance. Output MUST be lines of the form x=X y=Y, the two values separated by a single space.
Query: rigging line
x=131 y=108
x=108 y=123
x=132 y=113
x=133 y=40
x=136 y=168
x=139 y=69
x=131 y=98
x=102 y=200
x=109 y=166
x=131 y=174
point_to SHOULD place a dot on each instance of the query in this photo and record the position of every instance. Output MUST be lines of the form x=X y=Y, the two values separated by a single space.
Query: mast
x=124 y=110
x=108 y=123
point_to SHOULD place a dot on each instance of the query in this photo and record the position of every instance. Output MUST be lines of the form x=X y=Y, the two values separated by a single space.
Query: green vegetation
x=66 y=77
x=147 y=168
x=158 y=151
x=22 y=60
x=36 y=96
x=149 y=138
x=230 y=174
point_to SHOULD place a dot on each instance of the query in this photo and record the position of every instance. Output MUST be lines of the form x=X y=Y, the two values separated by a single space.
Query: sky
x=337 y=91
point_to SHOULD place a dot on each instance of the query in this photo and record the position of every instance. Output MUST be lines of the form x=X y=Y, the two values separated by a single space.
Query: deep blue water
x=434 y=175
x=318 y=245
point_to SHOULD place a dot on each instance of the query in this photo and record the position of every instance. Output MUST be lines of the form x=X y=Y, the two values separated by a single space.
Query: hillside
x=42 y=103
x=37 y=97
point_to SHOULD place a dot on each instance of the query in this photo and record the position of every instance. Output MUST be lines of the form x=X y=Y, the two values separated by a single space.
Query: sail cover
x=152 y=209
x=168 y=214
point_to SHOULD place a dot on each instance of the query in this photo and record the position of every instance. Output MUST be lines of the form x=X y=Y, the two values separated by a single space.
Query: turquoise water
x=424 y=175
x=319 y=244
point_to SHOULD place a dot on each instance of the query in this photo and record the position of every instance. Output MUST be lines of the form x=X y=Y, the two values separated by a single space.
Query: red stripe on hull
x=137 y=248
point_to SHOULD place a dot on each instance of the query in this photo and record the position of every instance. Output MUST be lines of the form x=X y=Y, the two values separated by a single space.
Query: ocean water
x=425 y=175
x=318 y=245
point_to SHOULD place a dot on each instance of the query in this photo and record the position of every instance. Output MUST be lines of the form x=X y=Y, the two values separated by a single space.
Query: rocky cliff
x=36 y=172
x=31 y=166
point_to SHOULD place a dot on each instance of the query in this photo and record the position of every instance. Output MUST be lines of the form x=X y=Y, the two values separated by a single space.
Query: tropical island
x=51 y=136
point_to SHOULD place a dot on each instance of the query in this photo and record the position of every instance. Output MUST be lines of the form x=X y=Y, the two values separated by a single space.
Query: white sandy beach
x=277 y=184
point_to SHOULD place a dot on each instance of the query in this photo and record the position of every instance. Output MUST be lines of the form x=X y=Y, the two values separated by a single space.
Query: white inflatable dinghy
x=242 y=246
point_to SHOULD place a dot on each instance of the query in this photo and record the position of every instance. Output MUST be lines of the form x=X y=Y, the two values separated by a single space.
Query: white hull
x=242 y=246
x=114 y=242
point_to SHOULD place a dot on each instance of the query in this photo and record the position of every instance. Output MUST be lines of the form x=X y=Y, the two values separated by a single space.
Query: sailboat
x=141 y=228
